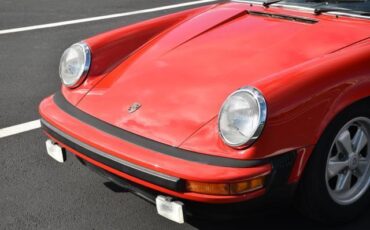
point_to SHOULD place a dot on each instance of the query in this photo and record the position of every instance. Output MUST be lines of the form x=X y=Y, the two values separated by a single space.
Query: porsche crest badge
x=134 y=107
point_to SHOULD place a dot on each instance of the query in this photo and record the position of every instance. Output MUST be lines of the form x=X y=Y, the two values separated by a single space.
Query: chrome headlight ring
x=75 y=64
x=242 y=117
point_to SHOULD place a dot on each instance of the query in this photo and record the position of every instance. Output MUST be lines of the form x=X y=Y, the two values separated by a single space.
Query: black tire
x=313 y=198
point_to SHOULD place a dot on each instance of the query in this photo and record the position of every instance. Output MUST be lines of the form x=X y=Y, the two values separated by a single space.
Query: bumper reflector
x=235 y=188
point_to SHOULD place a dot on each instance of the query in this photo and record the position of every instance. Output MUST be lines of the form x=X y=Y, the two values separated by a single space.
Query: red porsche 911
x=213 y=111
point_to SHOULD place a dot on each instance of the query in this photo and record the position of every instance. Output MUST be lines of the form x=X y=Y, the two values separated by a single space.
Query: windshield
x=352 y=5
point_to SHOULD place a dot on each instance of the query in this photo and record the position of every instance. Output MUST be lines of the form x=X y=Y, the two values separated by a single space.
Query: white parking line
x=16 y=129
x=91 y=19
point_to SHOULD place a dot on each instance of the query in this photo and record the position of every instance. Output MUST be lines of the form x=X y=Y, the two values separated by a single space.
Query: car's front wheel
x=335 y=186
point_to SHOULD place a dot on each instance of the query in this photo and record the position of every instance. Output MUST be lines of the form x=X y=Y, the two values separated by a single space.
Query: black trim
x=137 y=189
x=151 y=176
x=67 y=107
x=282 y=167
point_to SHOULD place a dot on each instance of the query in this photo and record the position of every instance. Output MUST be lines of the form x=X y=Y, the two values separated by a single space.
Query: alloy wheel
x=348 y=163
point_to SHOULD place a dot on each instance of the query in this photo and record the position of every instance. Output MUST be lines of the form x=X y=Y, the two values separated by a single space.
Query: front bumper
x=154 y=166
x=277 y=197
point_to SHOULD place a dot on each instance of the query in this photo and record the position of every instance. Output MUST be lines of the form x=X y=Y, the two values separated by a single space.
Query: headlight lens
x=74 y=64
x=242 y=117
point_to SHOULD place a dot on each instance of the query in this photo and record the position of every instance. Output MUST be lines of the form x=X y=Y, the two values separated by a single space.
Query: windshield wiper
x=267 y=3
x=325 y=9
x=339 y=1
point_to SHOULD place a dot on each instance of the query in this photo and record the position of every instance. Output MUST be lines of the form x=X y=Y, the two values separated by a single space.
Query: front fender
x=109 y=49
x=301 y=103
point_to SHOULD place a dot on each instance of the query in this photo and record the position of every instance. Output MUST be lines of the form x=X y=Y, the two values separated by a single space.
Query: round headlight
x=242 y=117
x=74 y=64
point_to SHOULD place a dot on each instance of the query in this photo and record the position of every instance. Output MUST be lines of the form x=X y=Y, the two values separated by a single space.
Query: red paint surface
x=181 y=68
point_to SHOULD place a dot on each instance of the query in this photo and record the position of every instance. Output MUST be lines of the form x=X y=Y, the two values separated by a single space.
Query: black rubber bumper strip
x=72 y=110
x=157 y=178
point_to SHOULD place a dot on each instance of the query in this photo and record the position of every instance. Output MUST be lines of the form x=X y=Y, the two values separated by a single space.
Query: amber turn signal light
x=226 y=188
x=207 y=188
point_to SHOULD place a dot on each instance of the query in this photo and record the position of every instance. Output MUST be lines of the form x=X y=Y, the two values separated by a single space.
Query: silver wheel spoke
x=344 y=182
x=345 y=143
x=356 y=173
x=335 y=167
x=359 y=141
x=363 y=165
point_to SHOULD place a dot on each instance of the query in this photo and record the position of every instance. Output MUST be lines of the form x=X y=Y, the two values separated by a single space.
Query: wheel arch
x=305 y=155
x=353 y=97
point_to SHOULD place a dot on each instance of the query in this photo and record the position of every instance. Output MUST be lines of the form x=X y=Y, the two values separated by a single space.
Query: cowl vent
x=283 y=16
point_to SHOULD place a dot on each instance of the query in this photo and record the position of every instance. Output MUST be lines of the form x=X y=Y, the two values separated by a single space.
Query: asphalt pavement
x=37 y=192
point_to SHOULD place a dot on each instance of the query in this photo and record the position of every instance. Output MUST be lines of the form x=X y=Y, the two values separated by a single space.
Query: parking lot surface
x=36 y=192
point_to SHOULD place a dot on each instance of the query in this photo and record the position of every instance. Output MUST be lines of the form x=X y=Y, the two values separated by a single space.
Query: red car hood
x=181 y=78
